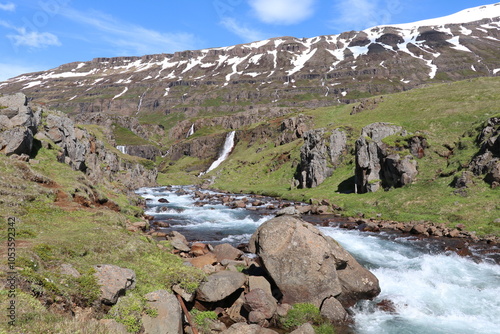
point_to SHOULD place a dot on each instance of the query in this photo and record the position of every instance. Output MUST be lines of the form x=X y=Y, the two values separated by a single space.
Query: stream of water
x=433 y=291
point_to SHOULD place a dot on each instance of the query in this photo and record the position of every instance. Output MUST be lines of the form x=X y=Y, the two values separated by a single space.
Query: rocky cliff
x=24 y=130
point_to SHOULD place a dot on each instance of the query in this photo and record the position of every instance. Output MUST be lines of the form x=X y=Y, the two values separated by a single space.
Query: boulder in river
x=309 y=267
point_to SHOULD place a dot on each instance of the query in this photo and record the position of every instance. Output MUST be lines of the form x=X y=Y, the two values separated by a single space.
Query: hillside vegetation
x=448 y=115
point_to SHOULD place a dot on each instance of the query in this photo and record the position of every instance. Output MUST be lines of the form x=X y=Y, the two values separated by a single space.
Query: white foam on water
x=433 y=293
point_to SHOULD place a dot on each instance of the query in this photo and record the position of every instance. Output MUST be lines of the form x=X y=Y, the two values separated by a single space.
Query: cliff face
x=24 y=130
x=283 y=71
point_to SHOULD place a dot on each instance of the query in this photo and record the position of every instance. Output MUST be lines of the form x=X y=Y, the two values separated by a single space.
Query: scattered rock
x=220 y=285
x=306 y=328
x=333 y=310
x=242 y=328
x=226 y=252
x=68 y=269
x=204 y=260
x=169 y=318
x=259 y=282
x=114 y=281
x=260 y=301
x=199 y=249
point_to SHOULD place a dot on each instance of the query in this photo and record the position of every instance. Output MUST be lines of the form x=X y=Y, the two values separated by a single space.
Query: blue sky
x=38 y=35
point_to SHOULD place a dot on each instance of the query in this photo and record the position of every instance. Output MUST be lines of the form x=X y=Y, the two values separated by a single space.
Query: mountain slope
x=284 y=71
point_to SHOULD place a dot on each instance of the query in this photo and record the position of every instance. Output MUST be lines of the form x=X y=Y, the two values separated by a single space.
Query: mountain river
x=433 y=291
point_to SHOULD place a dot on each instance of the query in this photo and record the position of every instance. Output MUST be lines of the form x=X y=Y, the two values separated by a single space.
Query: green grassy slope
x=446 y=114
x=54 y=228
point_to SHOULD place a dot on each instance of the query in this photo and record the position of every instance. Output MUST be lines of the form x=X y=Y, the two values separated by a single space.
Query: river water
x=433 y=292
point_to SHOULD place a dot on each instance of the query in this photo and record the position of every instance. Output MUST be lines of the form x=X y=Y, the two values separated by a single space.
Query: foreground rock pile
x=290 y=262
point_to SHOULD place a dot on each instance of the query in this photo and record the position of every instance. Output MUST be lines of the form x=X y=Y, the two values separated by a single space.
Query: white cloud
x=358 y=14
x=247 y=34
x=34 y=39
x=9 y=7
x=132 y=39
x=8 y=71
x=283 y=11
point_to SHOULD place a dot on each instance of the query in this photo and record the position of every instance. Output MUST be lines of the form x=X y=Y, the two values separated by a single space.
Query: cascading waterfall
x=122 y=149
x=228 y=147
x=191 y=131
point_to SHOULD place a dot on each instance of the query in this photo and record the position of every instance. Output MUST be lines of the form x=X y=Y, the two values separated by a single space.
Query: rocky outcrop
x=319 y=157
x=21 y=128
x=487 y=160
x=309 y=267
x=114 y=281
x=18 y=124
x=292 y=128
x=380 y=165
x=149 y=152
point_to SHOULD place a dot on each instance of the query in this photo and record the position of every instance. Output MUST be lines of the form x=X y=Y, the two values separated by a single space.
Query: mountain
x=279 y=72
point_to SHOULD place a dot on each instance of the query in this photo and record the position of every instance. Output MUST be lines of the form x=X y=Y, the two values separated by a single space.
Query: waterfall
x=122 y=149
x=191 y=131
x=228 y=146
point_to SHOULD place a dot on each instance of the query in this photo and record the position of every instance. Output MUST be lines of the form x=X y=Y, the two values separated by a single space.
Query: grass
x=124 y=136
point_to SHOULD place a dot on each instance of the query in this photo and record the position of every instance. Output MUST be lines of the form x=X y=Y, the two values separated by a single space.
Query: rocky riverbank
x=324 y=213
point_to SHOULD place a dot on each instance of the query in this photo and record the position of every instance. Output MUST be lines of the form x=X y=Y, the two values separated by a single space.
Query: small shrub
x=44 y=251
x=324 y=329
x=128 y=311
x=202 y=319
x=300 y=314
x=89 y=288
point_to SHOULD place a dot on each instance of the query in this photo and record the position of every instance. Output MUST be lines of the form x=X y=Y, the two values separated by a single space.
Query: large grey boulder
x=338 y=146
x=306 y=328
x=220 y=285
x=309 y=267
x=114 y=281
x=299 y=259
x=169 y=318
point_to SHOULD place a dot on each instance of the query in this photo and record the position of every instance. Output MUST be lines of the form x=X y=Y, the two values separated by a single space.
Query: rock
x=179 y=245
x=308 y=266
x=189 y=297
x=202 y=261
x=283 y=309
x=299 y=259
x=68 y=269
x=465 y=180
x=338 y=146
x=357 y=282
x=18 y=140
x=234 y=312
x=259 y=282
x=220 y=285
x=113 y=326
x=289 y=210
x=398 y=172
x=419 y=229
x=199 y=249
x=242 y=328
x=239 y=204
x=313 y=168
x=169 y=318
x=376 y=166
x=163 y=200
x=306 y=328
x=226 y=252
x=260 y=301
x=114 y=281
x=333 y=310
